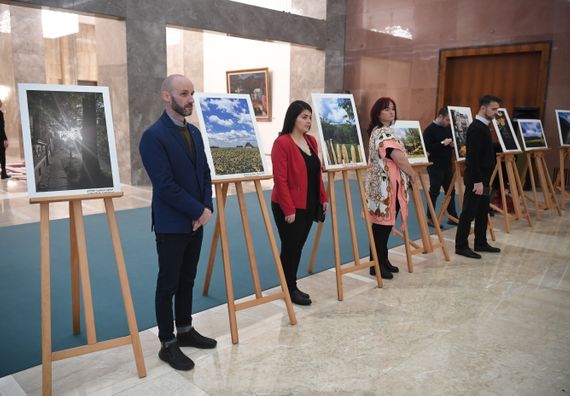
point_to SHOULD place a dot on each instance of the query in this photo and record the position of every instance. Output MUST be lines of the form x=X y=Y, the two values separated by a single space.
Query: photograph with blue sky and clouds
x=532 y=133
x=231 y=136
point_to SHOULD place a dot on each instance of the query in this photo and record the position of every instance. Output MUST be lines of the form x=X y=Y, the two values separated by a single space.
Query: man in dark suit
x=479 y=165
x=3 y=146
x=173 y=155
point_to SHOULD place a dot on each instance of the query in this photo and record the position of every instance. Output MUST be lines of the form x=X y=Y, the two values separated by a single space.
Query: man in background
x=3 y=145
x=479 y=165
x=439 y=145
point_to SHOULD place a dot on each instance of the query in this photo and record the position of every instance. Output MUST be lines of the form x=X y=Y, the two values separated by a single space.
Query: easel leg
x=434 y=219
x=275 y=252
x=408 y=250
x=447 y=197
x=334 y=222
x=374 y=257
x=214 y=245
x=550 y=186
x=350 y=217
x=125 y=288
x=46 y=299
x=248 y=240
x=74 y=263
x=503 y=197
x=84 y=272
x=509 y=163
x=227 y=267
x=420 y=216
x=533 y=184
x=315 y=248
x=520 y=192
x=540 y=170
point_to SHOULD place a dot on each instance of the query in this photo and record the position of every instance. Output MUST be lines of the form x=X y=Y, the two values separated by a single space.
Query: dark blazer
x=480 y=157
x=290 y=174
x=181 y=188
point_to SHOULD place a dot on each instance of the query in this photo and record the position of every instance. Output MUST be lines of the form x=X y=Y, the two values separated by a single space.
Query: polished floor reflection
x=500 y=325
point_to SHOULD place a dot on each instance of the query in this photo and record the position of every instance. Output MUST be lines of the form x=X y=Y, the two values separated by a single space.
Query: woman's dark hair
x=381 y=104
x=295 y=108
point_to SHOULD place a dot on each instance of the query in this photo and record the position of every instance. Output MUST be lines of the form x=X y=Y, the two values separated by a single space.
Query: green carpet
x=20 y=331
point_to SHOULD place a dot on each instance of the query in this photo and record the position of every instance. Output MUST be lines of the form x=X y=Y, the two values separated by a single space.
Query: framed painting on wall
x=461 y=118
x=231 y=136
x=563 y=121
x=505 y=132
x=69 y=141
x=532 y=134
x=339 y=130
x=255 y=83
x=410 y=134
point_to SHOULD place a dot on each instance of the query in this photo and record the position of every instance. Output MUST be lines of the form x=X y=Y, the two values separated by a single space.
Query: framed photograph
x=563 y=121
x=69 y=142
x=231 y=136
x=505 y=132
x=410 y=134
x=339 y=130
x=532 y=134
x=461 y=118
x=255 y=83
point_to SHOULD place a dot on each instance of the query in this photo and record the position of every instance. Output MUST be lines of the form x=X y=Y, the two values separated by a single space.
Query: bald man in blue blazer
x=173 y=155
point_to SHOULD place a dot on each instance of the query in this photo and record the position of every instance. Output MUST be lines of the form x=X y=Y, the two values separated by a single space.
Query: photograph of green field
x=228 y=160
x=532 y=133
x=410 y=135
x=231 y=135
x=339 y=129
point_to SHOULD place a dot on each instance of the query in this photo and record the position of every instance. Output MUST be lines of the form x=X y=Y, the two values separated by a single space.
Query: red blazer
x=290 y=175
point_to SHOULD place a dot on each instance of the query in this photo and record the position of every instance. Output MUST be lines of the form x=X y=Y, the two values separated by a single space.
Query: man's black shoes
x=487 y=248
x=194 y=339
x=467 y=253
x=170 y=353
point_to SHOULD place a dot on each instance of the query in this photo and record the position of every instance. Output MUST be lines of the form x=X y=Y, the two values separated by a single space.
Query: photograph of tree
x=461 y=118
x=339 y=130
x=255 y=83
x=231 y=135
x=563 y=120
x=410 y=134
x=69 y=142
x=533 y=134
x=505 y=132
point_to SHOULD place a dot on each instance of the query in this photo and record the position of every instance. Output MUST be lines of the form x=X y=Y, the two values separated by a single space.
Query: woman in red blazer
x=298 y=191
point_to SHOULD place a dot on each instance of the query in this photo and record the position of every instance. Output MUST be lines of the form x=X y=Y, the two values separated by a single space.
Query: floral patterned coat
x=385 y=179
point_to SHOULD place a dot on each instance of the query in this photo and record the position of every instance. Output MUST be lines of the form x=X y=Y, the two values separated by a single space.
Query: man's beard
x=179 y=109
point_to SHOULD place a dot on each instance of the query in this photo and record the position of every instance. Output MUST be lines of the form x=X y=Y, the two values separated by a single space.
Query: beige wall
x=378 y=64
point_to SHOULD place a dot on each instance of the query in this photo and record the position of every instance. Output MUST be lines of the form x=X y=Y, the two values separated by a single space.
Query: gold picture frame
x=255 y=83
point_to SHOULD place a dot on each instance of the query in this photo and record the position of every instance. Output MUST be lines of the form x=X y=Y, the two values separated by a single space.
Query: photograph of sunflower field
x=231 y=135
x=339 y=130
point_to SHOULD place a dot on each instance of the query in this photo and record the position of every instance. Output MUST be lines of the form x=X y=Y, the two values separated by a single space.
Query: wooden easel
x=515 y=187
x=550 y=201
x=560 y=178
x=458 y=168
x=427 y=245
x=220 y=233
x=358 y=265
x=80 y=273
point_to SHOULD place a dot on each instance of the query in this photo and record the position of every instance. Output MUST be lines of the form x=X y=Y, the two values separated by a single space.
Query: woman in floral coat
x=389 y=177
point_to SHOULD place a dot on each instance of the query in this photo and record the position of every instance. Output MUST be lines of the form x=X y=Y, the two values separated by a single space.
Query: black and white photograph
x=461 y=118
x=505 y=132
x=69 y=143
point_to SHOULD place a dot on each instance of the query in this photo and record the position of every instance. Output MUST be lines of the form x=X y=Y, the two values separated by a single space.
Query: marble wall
x=145 y=30
x=379 y=63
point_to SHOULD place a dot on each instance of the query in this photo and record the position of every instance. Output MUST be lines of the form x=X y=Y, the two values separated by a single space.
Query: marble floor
x=500 y=325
